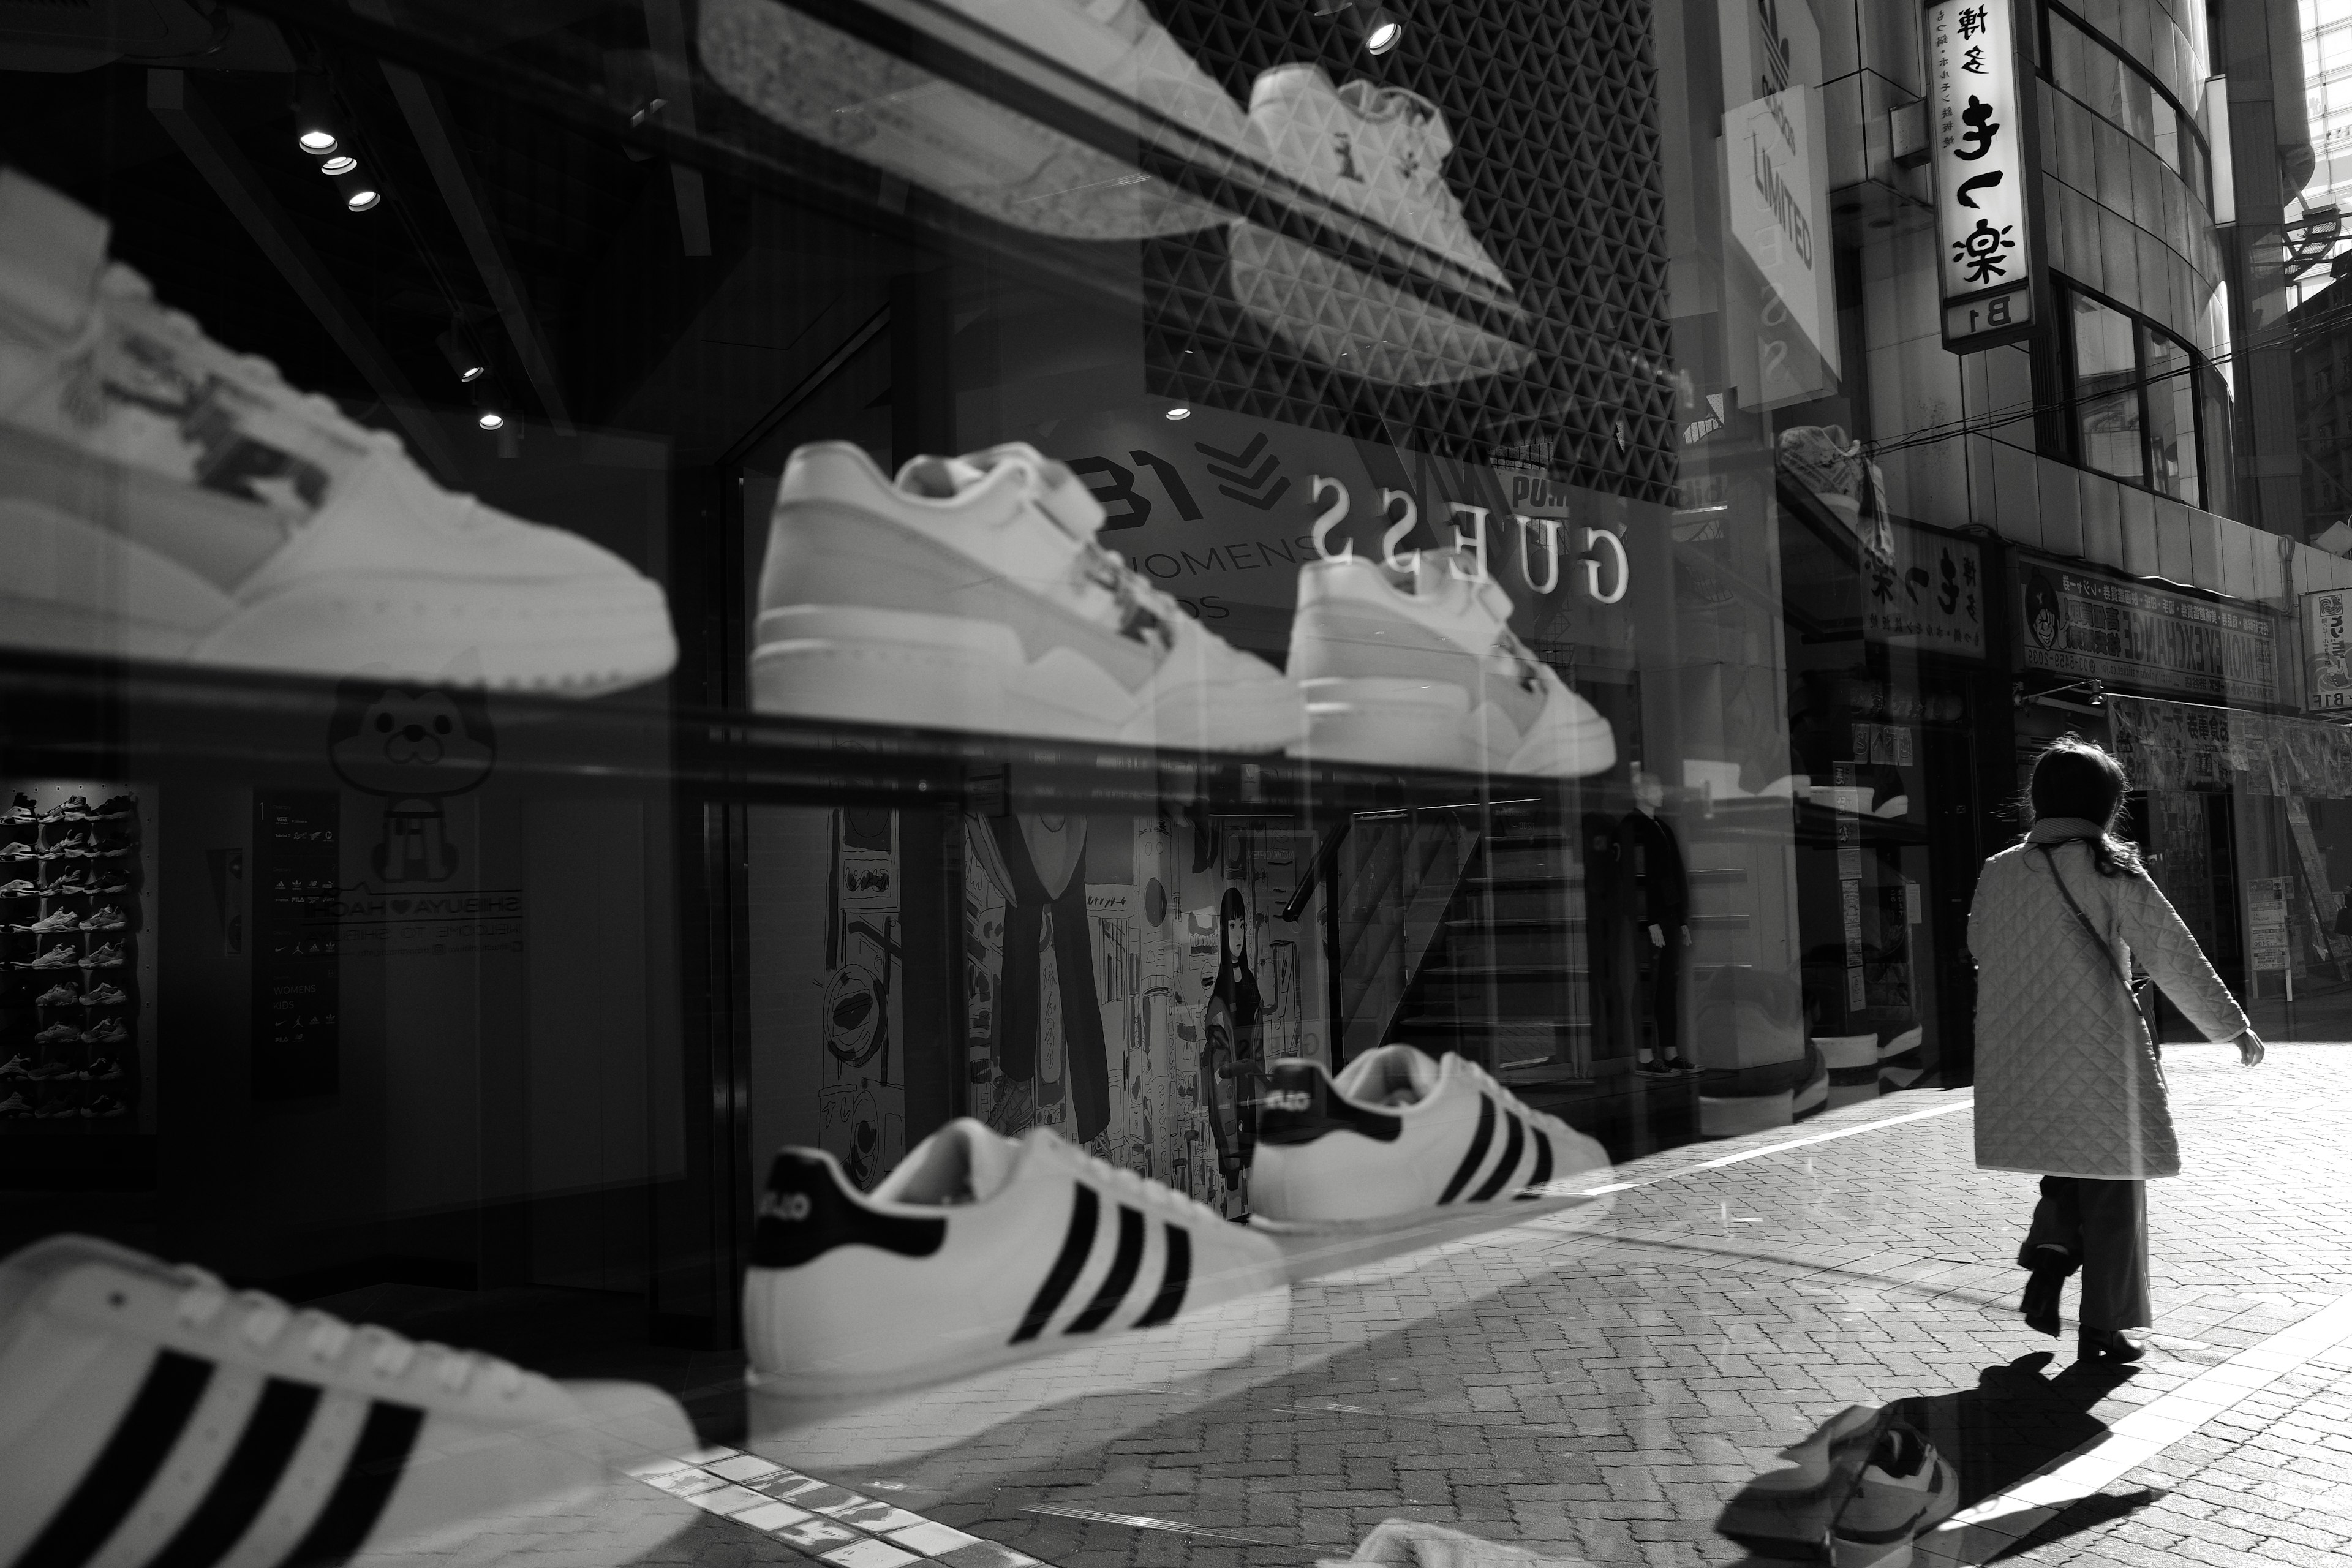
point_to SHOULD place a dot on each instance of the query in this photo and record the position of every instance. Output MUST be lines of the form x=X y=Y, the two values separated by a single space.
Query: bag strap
x=2114 y=963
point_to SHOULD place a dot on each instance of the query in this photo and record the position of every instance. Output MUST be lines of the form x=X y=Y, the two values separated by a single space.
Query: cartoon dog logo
x=415 y=746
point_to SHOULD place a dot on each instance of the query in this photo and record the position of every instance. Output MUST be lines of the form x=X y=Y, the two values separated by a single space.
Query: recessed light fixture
x=362 y=199
x=1180 y=412
x=317 y=144
x=314 y=115
x=1382 y=31
x=340 y=163
x=465 y=361
x=491 y=419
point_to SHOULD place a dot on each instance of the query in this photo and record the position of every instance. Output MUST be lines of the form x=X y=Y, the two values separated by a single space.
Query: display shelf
x=69 y=714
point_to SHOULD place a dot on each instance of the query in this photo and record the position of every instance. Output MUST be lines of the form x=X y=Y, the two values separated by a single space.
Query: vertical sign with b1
x=1980 y=135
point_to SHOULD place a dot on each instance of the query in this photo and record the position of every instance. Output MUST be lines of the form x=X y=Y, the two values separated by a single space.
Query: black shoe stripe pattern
x=1127 y=1263
x=271 y=1434
x=152 y=1427
x=1123 y=1266
x=1173 y=1280
x=1076 y=1245
x=1542 y=1173
x=1477 y=1155
x=1513 y=1141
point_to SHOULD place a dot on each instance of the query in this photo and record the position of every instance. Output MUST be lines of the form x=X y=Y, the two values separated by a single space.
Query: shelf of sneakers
x=1057 y=121
x=244 y=727
x=72 y=1060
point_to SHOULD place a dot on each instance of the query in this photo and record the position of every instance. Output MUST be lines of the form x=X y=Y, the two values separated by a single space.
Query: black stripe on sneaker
x=1075 y=1247
x=1174 y=1278
x=271 y=1434
x=1477 y=1155
x=369 y=1475
x=1514 y=1143
x=1124 y=1265
x=116 y=1479
x=1534 y=1189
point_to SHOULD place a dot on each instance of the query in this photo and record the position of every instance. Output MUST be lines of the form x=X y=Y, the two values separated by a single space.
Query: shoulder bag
x=2114 y=963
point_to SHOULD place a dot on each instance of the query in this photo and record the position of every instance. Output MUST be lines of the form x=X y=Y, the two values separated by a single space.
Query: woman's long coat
x=2067 y=1081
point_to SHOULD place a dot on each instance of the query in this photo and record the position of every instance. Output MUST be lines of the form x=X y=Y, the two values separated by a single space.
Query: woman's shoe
x=2040 y=1302
x=2111 y=1345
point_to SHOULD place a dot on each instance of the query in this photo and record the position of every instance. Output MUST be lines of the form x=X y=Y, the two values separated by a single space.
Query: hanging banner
x=2327 y=652
x=2140 y=635
x=1978 y=133
x=1776 y=164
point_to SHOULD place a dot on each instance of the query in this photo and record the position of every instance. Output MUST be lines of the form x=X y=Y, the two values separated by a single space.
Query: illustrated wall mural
x=1127 y=980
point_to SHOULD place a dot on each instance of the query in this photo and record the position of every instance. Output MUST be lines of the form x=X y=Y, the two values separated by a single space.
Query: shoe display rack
x=76 y=1050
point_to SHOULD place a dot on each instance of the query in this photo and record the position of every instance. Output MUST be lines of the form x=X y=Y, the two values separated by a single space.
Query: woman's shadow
x=2016 y=1420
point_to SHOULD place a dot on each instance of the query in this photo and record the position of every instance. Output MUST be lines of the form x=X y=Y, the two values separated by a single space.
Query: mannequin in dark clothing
x=1658 y=900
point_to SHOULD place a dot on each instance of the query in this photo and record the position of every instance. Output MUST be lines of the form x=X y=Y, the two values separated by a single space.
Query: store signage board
x=1929 y=595
x=2266 y=942
x=2327 y=652
x=2143 y=636
x=1979 y=135
x=1776 y=166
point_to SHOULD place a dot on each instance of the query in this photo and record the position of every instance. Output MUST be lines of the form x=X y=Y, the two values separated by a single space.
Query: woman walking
x=2068 y=1081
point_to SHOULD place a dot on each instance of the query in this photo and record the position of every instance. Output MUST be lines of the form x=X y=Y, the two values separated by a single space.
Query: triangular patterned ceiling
x=1554 y=116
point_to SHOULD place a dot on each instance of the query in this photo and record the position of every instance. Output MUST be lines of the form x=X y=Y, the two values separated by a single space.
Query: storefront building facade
x=605 y=591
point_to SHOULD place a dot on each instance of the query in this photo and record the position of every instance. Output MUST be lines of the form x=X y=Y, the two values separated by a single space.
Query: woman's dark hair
x=1231 y=908
x=2073 y=777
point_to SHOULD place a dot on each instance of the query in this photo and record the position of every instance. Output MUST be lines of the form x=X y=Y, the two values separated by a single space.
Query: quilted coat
x=2068 y=1083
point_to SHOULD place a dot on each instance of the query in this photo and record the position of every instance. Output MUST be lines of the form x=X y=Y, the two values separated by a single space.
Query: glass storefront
x=669 y=666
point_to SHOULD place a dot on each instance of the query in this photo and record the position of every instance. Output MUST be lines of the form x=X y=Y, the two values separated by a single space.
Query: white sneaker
x=971 y=595
x=975 y=1252
x=848 y=95
x=149 y=1415
x=123 y=428
x=1431 y=676
x=1399 y=1137
x=1377 y=152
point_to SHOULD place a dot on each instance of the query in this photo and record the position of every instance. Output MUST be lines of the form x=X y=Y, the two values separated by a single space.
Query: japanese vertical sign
x=2327 y=652
x=1979 y=136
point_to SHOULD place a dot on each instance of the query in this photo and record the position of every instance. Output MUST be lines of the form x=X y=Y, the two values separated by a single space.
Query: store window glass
x=2138 y=391
x=897 y=728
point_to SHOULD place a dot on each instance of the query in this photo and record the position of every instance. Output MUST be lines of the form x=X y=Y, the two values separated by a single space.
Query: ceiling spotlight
x=1180 y=412
x=491 y=419
x=340 y=163
x=464 y=360
x=358 y=195
x=314 y=115
x=1382 y=31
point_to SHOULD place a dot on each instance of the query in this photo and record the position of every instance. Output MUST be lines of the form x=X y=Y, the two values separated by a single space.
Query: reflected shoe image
x=74 y=808
x=1377 y=154
x=107 y=1032
x=65 y=955
x=155 y=1415
x=117 y=808
x=1793 y=1511
x=15 y=1105
x=1399 y=1137
x=1904 y=1490
x=1428 y=673
x=105 y=955
x=57 y=1034
x=127 y=433
x=102 y=1069
x=17 y=888
x=17 y=850
x=55 y=920
x=22 y=810
x=18 y=1066
x=978 y=1251
x=104 y=1108
x=971 y=595
x=857 y=99
x=61 y=996
x=108 y=919
x=107 y=996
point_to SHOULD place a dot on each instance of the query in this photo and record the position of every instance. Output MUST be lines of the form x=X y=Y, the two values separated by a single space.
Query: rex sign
x=1221 y=511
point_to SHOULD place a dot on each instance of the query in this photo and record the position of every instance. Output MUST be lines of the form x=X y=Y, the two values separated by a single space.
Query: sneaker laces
x=269 y=1325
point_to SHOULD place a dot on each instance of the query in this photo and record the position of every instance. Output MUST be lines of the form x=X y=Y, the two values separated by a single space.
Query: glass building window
x=2090 y=70
x=2136 y=394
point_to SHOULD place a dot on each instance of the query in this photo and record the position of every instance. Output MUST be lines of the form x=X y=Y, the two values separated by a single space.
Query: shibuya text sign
x=1977 y=138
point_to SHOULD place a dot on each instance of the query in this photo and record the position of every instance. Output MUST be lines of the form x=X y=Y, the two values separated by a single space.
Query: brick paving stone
x=1600 y=1387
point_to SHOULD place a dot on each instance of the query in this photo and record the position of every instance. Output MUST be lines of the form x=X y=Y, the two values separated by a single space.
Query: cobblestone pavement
x=1598 y=1385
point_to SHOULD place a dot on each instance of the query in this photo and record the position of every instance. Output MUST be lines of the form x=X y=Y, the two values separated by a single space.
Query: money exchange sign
x=1977 y=139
